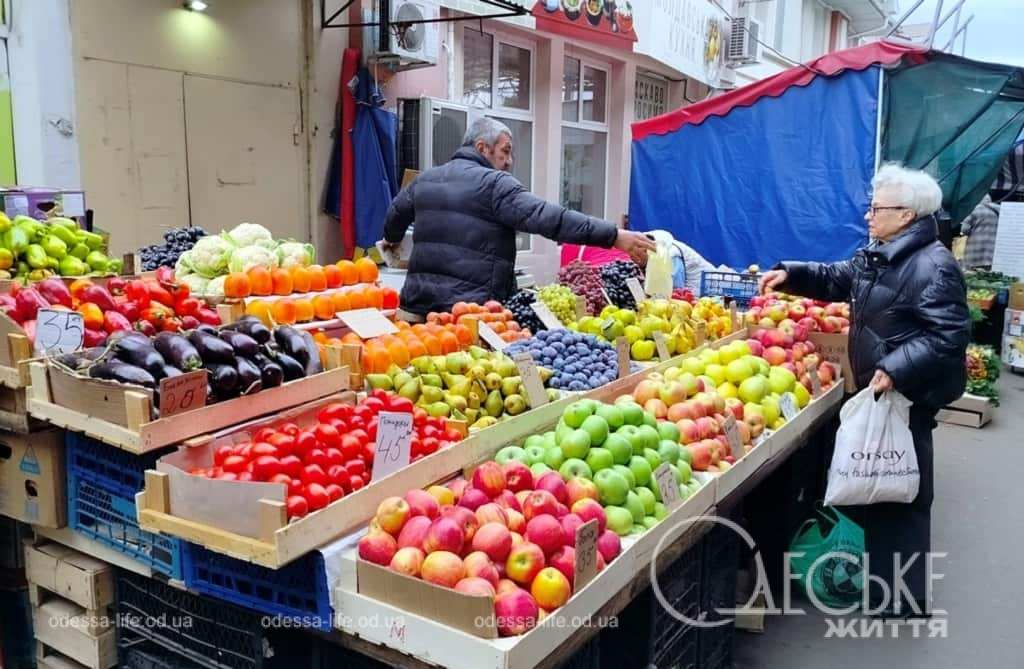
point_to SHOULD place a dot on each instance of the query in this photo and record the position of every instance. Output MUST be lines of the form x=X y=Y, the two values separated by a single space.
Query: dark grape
x=519 y=305
x=614 y=276
x=584 y=279
x=176 y=242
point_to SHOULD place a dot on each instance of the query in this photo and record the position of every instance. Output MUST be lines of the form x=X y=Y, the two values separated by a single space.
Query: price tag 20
x=622 y=349
x=546 y=317
x=491 y=337
x=535 y=393
x=667 y=486
x=635 y=289
x=179 y=394
x=394 y=438
x=58 y=331
x=788 y=406
x=586 y=555
x=662 y=346
x=732 y=433
x=812 y=371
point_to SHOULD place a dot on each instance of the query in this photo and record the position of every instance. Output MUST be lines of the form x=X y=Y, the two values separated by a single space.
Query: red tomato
x=338 y=424
x=234 y=463
x=284 y=443
x=356 y=482
x=295 y=487
x=317 y=497
x=334 y=410
x=429 y=431
x=317 y=457
x=355 y=467
x=436 y=422
x=292 y=466
x=297 y=506
x=334 y=491
x=361 y=435
x=314 y=474
x=374 y=402
x=245 y=476
x=367 y=454
x=264 y=434
x=334 y=456
x=356 y=423
x=366 y=478
x=430 y=445
x=338 y=474
x=451 y=434
x=365 y=412
x=266 y=467
x=327 y=435
x=228 y=476
x=350 y=447
x=305 y=441
x=371 y=429
x=291 y=429
x=400 y=404
x=415 y=444
x=221 y=453
x=379 y=393
x=281 y=478
x=244 y=450
x=263 y=448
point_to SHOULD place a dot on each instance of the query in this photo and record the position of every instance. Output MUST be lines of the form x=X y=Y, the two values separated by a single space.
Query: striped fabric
x=1011 y=176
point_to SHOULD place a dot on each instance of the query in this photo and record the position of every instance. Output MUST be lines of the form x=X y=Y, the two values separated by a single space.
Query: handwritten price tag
x=622 y=349
x=732 y=433
x=394 y=437
x=662 y=346
x=58 y=331
x=179 y=394
x=535 y=393
x=788 y=406
x=667 y=486
x=549 y=320
x=490 y=337
x=701 y=334
x=812 y=371
x=586 y=555
x=581 y=307
x=635 y=289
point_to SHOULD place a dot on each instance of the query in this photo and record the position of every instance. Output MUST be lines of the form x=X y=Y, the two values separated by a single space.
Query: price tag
x=701 y=333
x=622 y=349
x=586 y=555
x=732 y=433
x=72 y=204
x=394 y=437
x=606 y=327
x=788 y=406
x=367 y=323
x=604 y=294
x=667 y=486
x=812 y=371
x=581 y=307
x=535 y=393
x=733 y=317
x=179 y=394
x=490 y=336
x=662 y=345
x=549 y=320
x=635 y=289
x=58 y=331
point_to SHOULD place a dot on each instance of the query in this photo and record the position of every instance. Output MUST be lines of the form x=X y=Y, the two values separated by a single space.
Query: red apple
x=579 y=488
x=422 y=503
x=379 y=547
x=545 y=531
x=524 y=561
x=588 y=510
x=516 y=612
x=564 y=560
x=473 y=499
x=538 y=503
x=466 y=520
x=479 y=564
x=516 y=521
x=609 y=545
x=554 y=484
x=414 y=532
x=442 y=568
x=688 y=431
x=475 y=586
x=494 y=539
x=491 y=513
x=489 y=478
x=517 y=476
x=392 y=513
x=551 y=589
x=506 y=585
x=507 y=500
x=408 y=561
x=458 y=486
x=445 y=534
x=570 y=523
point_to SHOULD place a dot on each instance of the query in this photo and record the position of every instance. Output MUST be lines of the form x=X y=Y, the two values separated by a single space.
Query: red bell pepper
x=181 y=291
x=146 y=328
x=189 y=322
x=54 y=291
x=208 y=316
x=137 y=291
x=165 y=274
x=158 y=293
x=171 y=324
x=114 y=321
x=187 y=306
x=116 y=285
x=10 y=307
x=94 y=338
x=99 y=296
x=29 y=302
x=128 y=309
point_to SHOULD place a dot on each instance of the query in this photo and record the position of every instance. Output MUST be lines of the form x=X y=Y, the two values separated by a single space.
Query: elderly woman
x=909 y=332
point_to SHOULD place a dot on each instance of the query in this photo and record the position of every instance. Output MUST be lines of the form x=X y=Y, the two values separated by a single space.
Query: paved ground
x=978 y=519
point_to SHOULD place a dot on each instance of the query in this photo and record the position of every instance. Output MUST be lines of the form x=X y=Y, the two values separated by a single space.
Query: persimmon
x=449 y=342
x=237 y=284
x=323 y=307
x=304 y=311
x=260 y=309
x=339 y=301
x=259 y=278
x=332 y=274
x=367 y=270
x=283 y=311
x=349 y=273
x=282 y=280
x=317 y=278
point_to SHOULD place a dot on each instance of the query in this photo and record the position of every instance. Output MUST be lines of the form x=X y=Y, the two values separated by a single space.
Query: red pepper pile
x=147 y=305
x=328 y=460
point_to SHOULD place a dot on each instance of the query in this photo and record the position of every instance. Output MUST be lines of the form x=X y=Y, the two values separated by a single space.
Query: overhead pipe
x=962 y=29
x=935 y=22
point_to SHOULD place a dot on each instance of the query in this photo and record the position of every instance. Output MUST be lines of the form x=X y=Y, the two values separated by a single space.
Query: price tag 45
x=394 y=440
x=58 y=332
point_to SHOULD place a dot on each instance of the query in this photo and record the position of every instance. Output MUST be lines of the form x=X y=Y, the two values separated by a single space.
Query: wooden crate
x=15 y=353
x=119 y=414
x=48 y=658
x=57 y=625
x=969 y=411
x=69 y=574
x=14 y=416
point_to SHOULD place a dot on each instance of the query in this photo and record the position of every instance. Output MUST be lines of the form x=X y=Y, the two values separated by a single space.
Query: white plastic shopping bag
x=874 y=460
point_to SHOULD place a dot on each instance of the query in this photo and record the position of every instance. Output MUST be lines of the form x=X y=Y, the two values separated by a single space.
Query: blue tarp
x=373 y=141
x=787 y=178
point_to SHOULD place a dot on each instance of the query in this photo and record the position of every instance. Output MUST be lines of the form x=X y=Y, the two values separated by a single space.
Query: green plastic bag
x=836 y=580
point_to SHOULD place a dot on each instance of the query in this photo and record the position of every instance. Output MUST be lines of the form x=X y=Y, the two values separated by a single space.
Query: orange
x=419 y=329
x=349 y=273
x=449 y=342
x=261 y=282
x=323 y=307
x=283 y=311
x=317 y=278
x=261 y=309
x=434 y=328
x=399 y=353
x=300 y=279
x=237 y=285
x=339 y=301
x=357 y=299
x=304 y=311
x=433 y=345
x=282 y=280
x=499 y=327
x=390 y=298
x=333 y=341
x=351 y=338
x=375 y=297
x=332 y=274
x=376 y=358
x=463 y=334
x=320 y=337
x=402 y=325
x=416 y=348
x=367 y=269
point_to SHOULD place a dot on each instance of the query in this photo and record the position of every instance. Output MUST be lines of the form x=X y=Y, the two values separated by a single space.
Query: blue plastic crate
x=739 y=287
x=102 y=483
x=298 y=591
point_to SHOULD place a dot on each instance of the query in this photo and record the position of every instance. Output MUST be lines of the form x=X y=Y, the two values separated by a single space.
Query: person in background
x=467 y=213
x=909 y=332
x=594 y=255
x=980 y=226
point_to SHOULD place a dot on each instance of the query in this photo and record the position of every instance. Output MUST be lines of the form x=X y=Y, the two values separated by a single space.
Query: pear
x=510 y=385
x=393 y=369
x=380 y=382
x=455 y=401
x=475 y=399
x=493 y=381
x=505 y=366
x=410 y=390
x=424 y=365
x=439 y=409
x=545 y=373
x=432 y=380
x=461 y=389
x=457 y=415
x=486 y=421
x=452 y=379
x=431 y=394
x=458 y=363
x=515 y=405
x=440 y=363
x=472 y=415
x=494 y=405
x=486 y=365
x=476 y=373
x=478 y=353
x=553 y=395
x=401 y=379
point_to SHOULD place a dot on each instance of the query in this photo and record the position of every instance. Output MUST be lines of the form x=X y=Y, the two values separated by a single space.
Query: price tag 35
x=635 y=289
x=732 y=433
x=394 y=439
x=58 y=332
x=586 y=555
x=788 y=406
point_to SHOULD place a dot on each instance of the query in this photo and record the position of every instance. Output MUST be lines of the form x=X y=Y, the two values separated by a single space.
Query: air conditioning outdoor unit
x=400 y=39
x=743 y=45
x=430 y=131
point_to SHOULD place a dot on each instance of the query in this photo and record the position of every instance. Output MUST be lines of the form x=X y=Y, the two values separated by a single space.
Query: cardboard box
x=1016 y=297
x=33 y=487
x=70 y=574
x=1013 y=323
x=969 y=411
x=1013 y=352
x=836 y=348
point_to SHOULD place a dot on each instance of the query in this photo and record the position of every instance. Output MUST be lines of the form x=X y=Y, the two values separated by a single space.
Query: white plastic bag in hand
x=874 y=460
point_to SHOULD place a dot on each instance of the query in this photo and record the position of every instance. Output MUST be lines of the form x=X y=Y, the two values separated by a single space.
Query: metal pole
x=935 y=22
x=956 y=10
x=962 y=29
x=878 y=121
x=903 y=18
x=956 y=26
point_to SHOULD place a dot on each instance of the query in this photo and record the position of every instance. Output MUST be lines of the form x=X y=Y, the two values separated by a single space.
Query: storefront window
x=571 y=89
x=584 y=157
x=522 y=149
x=594 y=88
x=477 y=68
x=513 y=77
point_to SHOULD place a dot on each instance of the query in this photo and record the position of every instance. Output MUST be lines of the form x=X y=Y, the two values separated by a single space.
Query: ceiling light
x=196 y=5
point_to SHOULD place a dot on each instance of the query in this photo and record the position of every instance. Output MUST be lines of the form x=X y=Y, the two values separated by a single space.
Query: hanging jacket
x=909 y=315
x=466 y=217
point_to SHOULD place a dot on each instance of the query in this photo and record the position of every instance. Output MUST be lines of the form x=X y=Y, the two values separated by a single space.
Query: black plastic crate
x=134 y=652
x=17 y=640
x=721 y=558
x=587 y=657
x=12 y=533
x=328 y=655
x=679 y=653
x=206 y=631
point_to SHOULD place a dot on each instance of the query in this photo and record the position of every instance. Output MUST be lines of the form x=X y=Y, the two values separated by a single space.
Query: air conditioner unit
x=743 y=44
x=430 y=131
x=400 y=39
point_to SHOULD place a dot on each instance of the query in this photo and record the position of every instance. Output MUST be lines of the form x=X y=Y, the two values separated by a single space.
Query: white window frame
x=593 y=126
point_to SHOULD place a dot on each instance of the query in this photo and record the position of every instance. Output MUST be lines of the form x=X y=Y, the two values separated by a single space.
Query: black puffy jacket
x=464 y=241
x=909 y=311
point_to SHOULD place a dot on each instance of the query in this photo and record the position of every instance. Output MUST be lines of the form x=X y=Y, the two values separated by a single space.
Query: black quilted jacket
x=467 y=215
x=909 y=311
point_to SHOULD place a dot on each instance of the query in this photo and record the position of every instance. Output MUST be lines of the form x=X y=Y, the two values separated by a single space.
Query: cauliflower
x=244 y=259
x=183 y=267
x=296 y=254
x=209 y=257
x=196 y=284
x=250 y=234
x=215 y=288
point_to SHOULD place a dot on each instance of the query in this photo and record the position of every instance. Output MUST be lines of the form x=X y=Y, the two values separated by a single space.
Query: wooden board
x=970 y=411
x=53 y=627
x=68 y=537
x=119 y=414
x=14 y=416
x=15 y=352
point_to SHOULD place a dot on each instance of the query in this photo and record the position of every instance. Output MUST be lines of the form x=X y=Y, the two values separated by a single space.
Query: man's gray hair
x=486 y=129
x=914 y=189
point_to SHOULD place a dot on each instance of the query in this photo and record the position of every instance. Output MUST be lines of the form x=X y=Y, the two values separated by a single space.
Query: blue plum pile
x=578 y=361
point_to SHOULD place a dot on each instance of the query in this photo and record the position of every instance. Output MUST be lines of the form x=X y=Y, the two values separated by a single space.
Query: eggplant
x=243 y=344
x=313 y=366
x=170 y=371
x=250 y=378
x=141 y=354
x=253 y=327
x=134 y=335
x=208 y=329
x=271 y=373
x=178 y=351
x=116 y=370
x=223 y=380
x=211 y=348
x=291 y=367
x=291 y=342
x=80 y=360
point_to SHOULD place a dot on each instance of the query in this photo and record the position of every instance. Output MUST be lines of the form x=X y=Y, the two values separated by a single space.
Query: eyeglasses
x=874 y=210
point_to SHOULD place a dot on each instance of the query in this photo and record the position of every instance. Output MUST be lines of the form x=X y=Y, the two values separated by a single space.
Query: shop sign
x=605 y=22
x=687 y=35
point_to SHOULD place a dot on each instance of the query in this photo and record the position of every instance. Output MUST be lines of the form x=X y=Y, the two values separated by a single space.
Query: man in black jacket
x=909 y=332
x=467 y=213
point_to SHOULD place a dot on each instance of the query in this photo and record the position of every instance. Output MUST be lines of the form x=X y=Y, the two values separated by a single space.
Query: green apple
x=635 y=438
x=649 y=521
x=684 y=471
x=633 y=333
x=641 y=469
x=753 y=389
x=770 y=409
x=535 y=454
x=648 y=499
x=716 y=372
x=684 y=491
x=652 y=485
x=694 y=485
x=675 y=472
x=626 y=473
x=562 y=430
x=727 y=390
x=738 y=370
x=575 y=414
x=668 y=451
x=599 y=458
x=642 y=350
x=612 y=415
x=576 y=444
x=650 y=436
x=509 y=453
x=553 y=457
x=632 y=413
x=619 y=520
x=650 y=420
x=692 y=365
x=668 y=431
x=660 y=511
x=709 y=383
x=539 y=469
x=612 y=487
x=635 y=506
x=620 y=448
x=575 y=468
x=652 y=458
x=591 y=405
x=803 y=396
x=710 y=356
x=549 y=439
x=760 y=365
x=533 y=440
x=685 y=455
x=597 y=427
x=781 y=380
